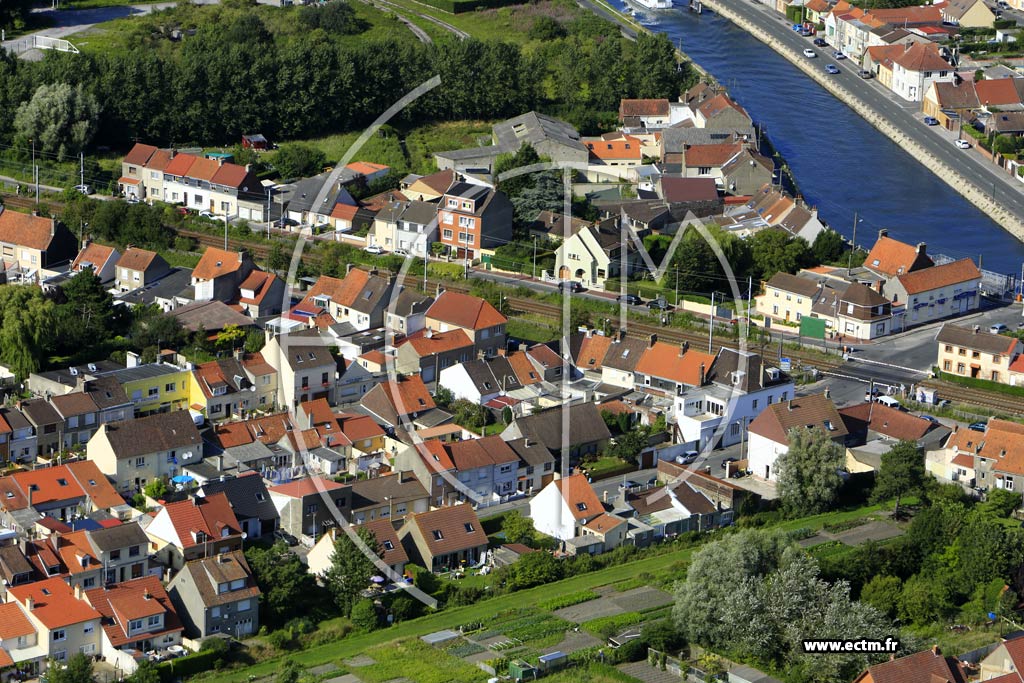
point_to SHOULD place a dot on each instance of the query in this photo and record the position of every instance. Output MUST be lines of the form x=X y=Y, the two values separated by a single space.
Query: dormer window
x=581 y=507
x=469 y=527
x=388 y=545
x=62 y=482
x=438 y=536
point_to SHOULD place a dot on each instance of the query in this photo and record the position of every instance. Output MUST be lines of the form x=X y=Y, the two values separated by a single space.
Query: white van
x=890 y=402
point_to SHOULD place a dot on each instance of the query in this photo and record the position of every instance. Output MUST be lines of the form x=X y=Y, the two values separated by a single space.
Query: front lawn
x=606 y=466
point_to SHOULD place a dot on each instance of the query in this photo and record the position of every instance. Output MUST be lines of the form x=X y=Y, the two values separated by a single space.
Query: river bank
x=967 y=187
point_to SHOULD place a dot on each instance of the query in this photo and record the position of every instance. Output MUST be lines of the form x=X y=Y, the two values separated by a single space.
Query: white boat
x=653 y=4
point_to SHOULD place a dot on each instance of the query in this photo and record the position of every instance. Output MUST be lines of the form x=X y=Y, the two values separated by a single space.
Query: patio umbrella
x=377 y=579
x=182 y=479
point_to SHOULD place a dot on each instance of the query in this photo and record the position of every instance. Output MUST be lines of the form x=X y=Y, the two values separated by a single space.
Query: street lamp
x=853 y=247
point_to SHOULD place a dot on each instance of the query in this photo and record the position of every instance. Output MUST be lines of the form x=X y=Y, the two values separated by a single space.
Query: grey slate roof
x=532 y=127
x=625 y=354
x=121 y=536
x=585 y=426
x=154 y=433
x=166 y=287
x=248 y=496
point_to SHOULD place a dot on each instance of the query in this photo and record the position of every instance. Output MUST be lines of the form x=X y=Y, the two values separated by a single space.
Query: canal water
x=840 y=163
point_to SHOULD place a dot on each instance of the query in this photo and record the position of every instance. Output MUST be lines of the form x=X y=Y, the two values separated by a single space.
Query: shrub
x=567 y=600
x=605 y=627
x=364 y=615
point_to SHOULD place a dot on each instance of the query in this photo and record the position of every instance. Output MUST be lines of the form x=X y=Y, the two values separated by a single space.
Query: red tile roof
x=668 y=361
x=135 y=599
x=624 y=147
x=26 y=230
x=13 y=622
x=366 y=168
x=923 y=57
x=929 y=279
x=310 y=486
x=233 y=176
x=180 y=164
x=921 y=667
x=465 y=311
x=215 y=263
x=629 y=108
x=358 y=427
x=579 y=496
x=710 y=155
x=384 y=532
x=210 y=514
x=523 y=368
x=815 y=410
x=139 y=154
x=408 y=395
x=893 y=423
x=427 y=342
x=472 y=454
x=996 y=92
x=55 y=605
x=95 y=254
x=345 y=212
x=892 y=257
x=136 y=259
x=592 y=352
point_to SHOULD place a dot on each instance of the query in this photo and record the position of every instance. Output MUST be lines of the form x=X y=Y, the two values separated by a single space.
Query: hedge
x=606 y=627
x=977 y=383
x=188 y=666
x=460 y=6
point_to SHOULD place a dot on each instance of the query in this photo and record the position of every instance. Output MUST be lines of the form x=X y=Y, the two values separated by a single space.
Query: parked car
x=284 y=222
x=725 y=463
x=631 y=299
x=401 y=252
x=373 y=249
x=627 y=485
x=798 y=27
x=998 y=328
x=207 y=214
x=282 y=535
x=133 y=200
x=838 y=54
x=872 y=394
x=977 y=426
x=658 y=304
x=820 y=42
x=962 y=144
x=930 y=418
x=865 y=74
x=809 y=53
x=931 y=121
x=687 y=457
x=569 y=286
x=84 y=189
x=831 y=69
x=181 y=210
x=806 y=32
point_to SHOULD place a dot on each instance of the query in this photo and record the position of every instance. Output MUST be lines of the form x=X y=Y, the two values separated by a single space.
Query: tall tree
x=61 y=118
x=901 y=473
x=77 y=669
x=288 y=589
x=808 y=473
x=351 y=568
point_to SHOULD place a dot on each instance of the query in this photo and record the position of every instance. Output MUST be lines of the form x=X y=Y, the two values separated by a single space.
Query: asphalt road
x=906 y=115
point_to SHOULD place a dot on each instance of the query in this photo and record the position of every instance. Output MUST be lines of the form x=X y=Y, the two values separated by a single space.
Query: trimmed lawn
x=529 y=331
x=606 y=466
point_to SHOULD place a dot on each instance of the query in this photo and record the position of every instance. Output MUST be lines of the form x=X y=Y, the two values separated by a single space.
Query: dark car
x=977 y=426
x=931 y=121
x=931 y=419
x=820 y=42
x=631 y=299
x=658 y=304
x=726 y=462
x=569 y=286
x=284 y=222
x=865 y=74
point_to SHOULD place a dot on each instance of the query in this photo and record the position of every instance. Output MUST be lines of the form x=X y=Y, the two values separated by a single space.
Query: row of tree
x=235 y=76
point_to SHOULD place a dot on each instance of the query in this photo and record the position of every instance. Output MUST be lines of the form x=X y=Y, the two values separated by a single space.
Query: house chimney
x=702 y=377
x=682 y=349
x=653 y=340
x=30 y=603
x=78 y=591
x=884 y=232
x=621 y=335
x=789 y=404
x=921 y=247
x=146 y=595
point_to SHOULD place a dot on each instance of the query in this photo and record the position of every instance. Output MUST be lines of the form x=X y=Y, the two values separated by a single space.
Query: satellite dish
x=244 y=535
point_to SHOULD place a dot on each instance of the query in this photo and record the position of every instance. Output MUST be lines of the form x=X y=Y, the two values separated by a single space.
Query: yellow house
x=155 y=387
x=971 y=352
x=787 y=297
x=968 y=13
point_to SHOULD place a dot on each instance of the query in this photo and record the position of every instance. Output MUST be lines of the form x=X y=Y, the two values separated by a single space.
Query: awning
x=124 y=180
x=975 y=366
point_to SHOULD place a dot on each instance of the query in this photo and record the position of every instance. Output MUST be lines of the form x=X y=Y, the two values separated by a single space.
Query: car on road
x=400 y=252
x=809 y=53
x=687 y=457
x=838 y=54
x=798 y=27
x=285 y=223
x=962 y=144
x=931 y=121
x=373 y=249
x=872 y=394
x=998 y=328
x=628 y=484
x=569 y=286
x=133 y=200
x=831 y=69
x=806 y=32
x=726 y=461
x=820 y=42
x=84 y=189
x=934 y=420
x=865 y=74
x=977 y=426
x=658 y=304
x=206 y=214
x=631 y=299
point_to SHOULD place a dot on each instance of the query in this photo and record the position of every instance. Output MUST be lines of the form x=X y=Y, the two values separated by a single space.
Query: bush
x=606 y=627
x=364 y=615
x=567 y=600
x=204 y=660
x=631 y=651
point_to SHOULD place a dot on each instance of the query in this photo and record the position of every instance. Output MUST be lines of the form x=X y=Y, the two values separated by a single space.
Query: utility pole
x=711 y=324
x=534 y=257
x=269 y=216
x=81 y=169
x=35 y=171
x=853 y=246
